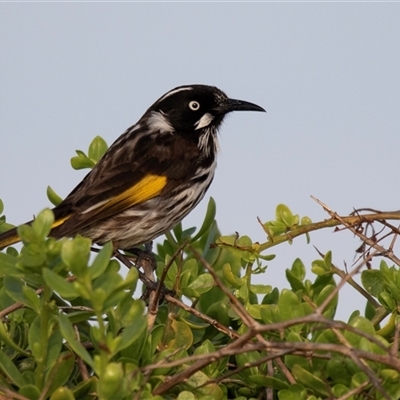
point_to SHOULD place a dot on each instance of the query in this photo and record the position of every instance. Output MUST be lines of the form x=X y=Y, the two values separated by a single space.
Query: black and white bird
x=152 y=176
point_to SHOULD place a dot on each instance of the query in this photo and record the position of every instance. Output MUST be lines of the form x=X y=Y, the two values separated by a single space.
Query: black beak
x=240 y=105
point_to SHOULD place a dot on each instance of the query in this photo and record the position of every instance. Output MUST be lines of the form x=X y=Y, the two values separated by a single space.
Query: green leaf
x=42 y=223
x=219 y=311
x=54 y=345
x=371 y=347
x=390 y=375
x=13 y=288
x=202 y=389
x=386 y=299
x=298 y=269
x=361 y=324
x=255 y=310
x=373 y=282
x=330 y=309
x=83 y=388
x=194 y=324
x=337 y=370
x=31 y=299
x=328 y=260
x=11 y=371
x=30 y=391
x=101 y=261
x=213 y=369
x=69 y=335
x=310 y=380
x=97 y=148
x=260 y=289
x=289 y=306
x=53 y=196
x=5 y=337
x=275 y=228
x=358 y=379
x=138 y=325
x=250 y=357
x=186 y=395
x=295 y=392
x=268 y=257
x=75 y=254
x=319 y=268
x=110 y=289
x=35 y=338
x=294 y=281
x=61 y=371
x=232 y=279
x=81 y=161
x=340 y=390
x=305 y=221
x=268 y=382
x=81 y=153
x=208 y=219
x=183 y=338
x=285 y=216
x=177 y=229
x=9 y=266
x=187 y=233
x=26 y=233
x=191 y=267
x=202 y=284
x=33 y=255
x=244 y=241
x=269 y=313
x=60 y=285
x=110 y=382
x=63 y=393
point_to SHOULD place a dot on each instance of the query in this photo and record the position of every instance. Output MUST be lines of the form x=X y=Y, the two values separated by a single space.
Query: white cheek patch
x=158 y=122
x=204 y=121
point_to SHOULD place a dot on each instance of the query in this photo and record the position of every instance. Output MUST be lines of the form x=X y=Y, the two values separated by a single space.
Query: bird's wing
x=101 y=196
x=97 y=197
x=114 y=186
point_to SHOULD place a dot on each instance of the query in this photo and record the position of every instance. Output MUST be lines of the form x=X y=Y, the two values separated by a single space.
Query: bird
x=152 y=176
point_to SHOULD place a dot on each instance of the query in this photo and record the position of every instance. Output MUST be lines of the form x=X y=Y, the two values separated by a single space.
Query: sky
x=327 y=73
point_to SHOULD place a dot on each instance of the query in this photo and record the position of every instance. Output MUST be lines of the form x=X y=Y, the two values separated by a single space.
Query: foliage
x=73 y=325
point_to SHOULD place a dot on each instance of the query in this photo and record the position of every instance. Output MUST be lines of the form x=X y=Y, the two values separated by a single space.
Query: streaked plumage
x=152 y=176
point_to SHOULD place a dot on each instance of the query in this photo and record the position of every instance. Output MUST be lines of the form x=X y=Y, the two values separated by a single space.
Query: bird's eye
x=194 y=105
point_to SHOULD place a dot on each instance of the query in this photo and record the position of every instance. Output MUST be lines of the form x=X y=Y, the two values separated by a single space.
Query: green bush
x=75 y=325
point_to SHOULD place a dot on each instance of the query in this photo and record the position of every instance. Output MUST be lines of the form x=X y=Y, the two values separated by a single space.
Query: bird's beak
x=240 y=105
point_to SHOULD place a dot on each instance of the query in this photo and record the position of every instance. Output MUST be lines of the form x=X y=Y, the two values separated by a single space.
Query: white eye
x=194 y=105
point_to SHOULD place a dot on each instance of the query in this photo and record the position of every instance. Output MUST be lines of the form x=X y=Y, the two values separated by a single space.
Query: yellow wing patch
x=60 y=221
x=147 y=188
x=150 y=186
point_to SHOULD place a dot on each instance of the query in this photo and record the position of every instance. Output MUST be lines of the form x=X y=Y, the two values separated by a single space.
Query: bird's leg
x=126 y=259
x=146 y=261
x=144 y=254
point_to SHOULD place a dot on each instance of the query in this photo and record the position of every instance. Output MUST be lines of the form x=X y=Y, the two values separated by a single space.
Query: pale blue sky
x=327 y=74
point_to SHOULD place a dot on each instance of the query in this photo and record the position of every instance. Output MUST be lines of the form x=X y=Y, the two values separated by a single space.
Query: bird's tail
x=11 y=236
x=8 y=238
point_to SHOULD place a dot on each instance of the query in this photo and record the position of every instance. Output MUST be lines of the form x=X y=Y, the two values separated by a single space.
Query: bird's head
x=192 y=108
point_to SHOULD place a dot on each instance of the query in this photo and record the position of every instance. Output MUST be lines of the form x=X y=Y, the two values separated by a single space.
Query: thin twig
x=231 y=333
